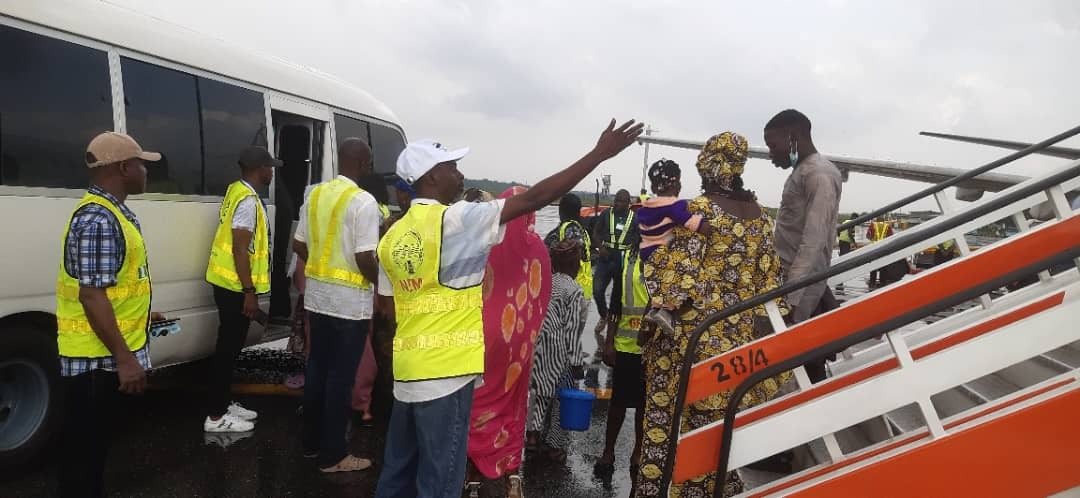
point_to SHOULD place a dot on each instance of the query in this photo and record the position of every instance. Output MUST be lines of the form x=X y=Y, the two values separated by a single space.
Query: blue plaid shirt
x=93 y=254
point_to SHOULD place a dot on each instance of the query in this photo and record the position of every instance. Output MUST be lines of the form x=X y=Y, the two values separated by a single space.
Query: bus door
x=299 y=142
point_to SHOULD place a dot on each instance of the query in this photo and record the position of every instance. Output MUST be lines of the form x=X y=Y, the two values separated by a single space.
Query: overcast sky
x=529 y=85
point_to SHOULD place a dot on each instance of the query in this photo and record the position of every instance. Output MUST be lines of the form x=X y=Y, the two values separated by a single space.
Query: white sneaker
x=242 y=413
x=227 y=423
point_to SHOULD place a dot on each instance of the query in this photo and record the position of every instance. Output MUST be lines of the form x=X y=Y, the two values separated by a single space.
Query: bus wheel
x=30 y=392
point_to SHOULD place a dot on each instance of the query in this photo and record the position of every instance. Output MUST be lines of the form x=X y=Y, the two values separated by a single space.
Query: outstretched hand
x=613 y=140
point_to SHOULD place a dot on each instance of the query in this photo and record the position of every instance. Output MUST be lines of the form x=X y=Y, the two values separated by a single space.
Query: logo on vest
x=408 y=252
x=411 y=284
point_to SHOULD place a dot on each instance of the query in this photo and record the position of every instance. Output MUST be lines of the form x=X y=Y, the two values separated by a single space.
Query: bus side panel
x=178 y=236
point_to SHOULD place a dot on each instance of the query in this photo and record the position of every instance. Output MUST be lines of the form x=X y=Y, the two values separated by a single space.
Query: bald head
x=354 y=158
x=622 y=201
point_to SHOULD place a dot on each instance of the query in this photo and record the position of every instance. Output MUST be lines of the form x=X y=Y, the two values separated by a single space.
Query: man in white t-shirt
x=336 y=238
x=238 y=271
x=432 y=262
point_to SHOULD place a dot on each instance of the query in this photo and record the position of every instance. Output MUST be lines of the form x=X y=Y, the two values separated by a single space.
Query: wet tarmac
x=163 y=452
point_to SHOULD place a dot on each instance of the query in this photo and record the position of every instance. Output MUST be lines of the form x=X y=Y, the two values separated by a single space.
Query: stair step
x=1028 y=373
x=992 y=386
x=818 y=452
x=853 y=438
x=906 y=419
x=953 y=401
x=1067 y=355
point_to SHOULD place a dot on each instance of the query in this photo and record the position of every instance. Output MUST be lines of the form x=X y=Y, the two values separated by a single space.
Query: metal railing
x=929 y=191
x=878 y=251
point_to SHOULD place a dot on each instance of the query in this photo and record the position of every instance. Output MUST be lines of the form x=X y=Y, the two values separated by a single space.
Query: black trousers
x=333 y=354
x=280 y=301
x=232 y=333
x=89 y=420
x=607 y=271
x=815 y=369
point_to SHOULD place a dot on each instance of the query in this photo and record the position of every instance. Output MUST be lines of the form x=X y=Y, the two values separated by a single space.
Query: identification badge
x=619 y=226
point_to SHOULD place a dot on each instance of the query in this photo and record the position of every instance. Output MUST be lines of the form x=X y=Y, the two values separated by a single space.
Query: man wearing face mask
x=806 y=221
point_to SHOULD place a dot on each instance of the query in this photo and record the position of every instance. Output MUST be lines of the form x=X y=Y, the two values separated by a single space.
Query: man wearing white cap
x=102 y=309
x=432 y=262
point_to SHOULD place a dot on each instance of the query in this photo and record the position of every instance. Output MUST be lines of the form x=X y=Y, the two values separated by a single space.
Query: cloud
x=529 y=85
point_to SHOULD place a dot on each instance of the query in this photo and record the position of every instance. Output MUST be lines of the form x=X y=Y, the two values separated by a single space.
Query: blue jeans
x=426 y=448
x=607 y=271
x=333 y=354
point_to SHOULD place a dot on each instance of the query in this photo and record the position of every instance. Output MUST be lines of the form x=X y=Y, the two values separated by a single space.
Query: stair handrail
x=773 y=369
x=878 y=250
x=929 y=191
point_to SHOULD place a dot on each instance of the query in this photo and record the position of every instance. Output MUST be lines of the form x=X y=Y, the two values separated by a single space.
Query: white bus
x=71 y=69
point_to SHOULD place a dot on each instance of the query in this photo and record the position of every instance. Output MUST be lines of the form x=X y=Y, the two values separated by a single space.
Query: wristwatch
x=248 y=290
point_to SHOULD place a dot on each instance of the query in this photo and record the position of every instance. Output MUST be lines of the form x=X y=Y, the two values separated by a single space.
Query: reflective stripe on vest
x=618 y=243
x=326 y=261
x=440 y=330
x=881 y=229
x=635 y=300
x=221 y=270
x=130 y=297
x=584 y=274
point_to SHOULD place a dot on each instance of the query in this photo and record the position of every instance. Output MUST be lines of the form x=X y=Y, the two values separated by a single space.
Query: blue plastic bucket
x=575 y=409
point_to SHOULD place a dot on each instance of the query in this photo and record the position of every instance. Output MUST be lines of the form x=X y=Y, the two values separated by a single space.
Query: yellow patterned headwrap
x=722 y=159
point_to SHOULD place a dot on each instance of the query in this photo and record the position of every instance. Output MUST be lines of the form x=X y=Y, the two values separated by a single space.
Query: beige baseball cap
x=112 y=147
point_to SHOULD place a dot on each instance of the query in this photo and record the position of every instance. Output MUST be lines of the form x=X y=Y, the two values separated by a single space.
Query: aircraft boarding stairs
x=983 y=402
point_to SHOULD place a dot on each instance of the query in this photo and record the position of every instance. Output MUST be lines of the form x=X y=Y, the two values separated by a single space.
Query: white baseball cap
x=419 y=157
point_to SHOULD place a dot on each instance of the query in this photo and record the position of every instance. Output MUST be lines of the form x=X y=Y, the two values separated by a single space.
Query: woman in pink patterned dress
x=517 y=287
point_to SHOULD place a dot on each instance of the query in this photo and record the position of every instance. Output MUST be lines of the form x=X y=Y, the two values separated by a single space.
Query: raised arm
x=612 y=141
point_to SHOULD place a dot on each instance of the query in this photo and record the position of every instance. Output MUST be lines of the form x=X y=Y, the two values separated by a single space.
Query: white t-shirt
x=470 y=230
x=359 y=233
x=244 y=215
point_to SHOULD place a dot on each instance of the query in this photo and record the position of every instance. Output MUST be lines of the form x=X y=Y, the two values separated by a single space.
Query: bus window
x=346 y=127
x=54 y=97
x=386 y=143
x=163 y=115
x=232 y=118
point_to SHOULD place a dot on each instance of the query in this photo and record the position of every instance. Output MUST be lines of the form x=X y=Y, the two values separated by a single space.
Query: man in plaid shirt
x=103 y=309
x=93 y=254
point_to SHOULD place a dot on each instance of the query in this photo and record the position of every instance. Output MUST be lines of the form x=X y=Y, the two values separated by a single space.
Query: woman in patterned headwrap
x=733 y=263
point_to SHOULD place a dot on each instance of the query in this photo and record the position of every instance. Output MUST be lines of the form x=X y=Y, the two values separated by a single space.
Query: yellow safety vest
x=221 y=270
x=618 y=243
x=881 y=229
x=440 y=330
x=130 y=297
x=326 y=261
x=635 y=299
x=845 y=236
x=947 y=246
x=584 y=274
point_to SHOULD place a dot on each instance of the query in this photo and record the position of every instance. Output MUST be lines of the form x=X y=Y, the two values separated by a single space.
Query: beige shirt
x=806 y=228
